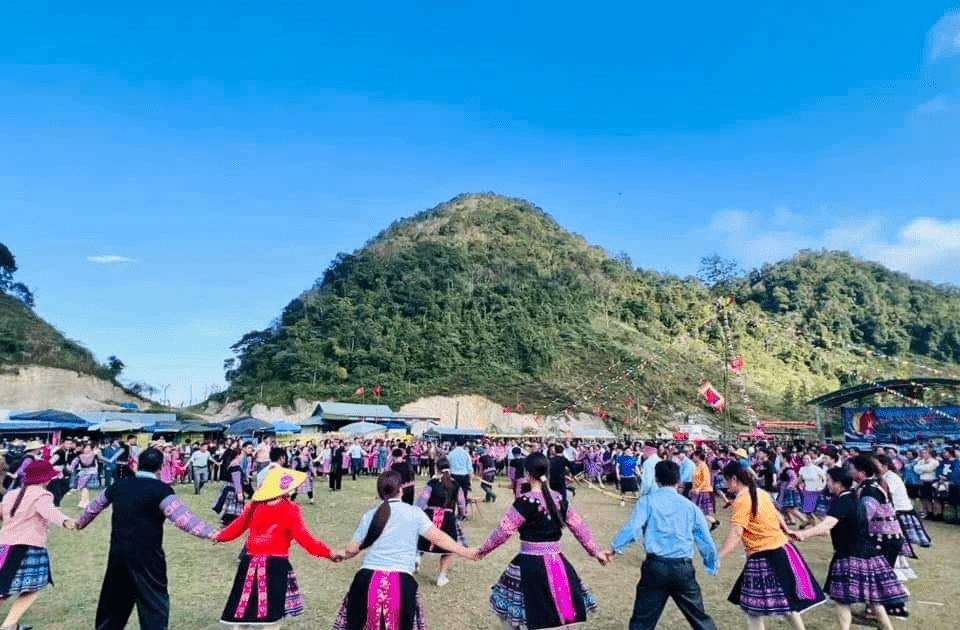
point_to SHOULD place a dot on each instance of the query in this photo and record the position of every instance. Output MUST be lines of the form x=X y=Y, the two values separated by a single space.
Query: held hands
x=337 y=557
x=472 y=553
x=605 y=557
x=70 y=524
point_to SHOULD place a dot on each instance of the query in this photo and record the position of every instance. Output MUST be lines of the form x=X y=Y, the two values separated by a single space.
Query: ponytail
x=734 y=470
x=388 y=484
x=538 y=468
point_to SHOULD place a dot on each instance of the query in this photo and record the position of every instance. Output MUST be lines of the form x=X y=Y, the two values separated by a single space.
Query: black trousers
x=464 y=482
x=661 y=578
x=128 y=582
x=336 y=477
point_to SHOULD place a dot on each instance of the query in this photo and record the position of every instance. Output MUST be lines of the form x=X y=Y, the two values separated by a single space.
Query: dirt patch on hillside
x=53 y=388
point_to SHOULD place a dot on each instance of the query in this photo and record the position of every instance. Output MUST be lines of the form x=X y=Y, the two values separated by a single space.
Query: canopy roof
x=62 y=419
x=841 y=396
x=287 y=427
x=362 y=428
x=249 y=426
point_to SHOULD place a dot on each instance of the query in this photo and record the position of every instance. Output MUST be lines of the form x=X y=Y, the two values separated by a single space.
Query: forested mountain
x=489 y=295
x=25 y=339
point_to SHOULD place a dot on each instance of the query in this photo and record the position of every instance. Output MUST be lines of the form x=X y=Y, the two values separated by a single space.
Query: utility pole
x=456 y=420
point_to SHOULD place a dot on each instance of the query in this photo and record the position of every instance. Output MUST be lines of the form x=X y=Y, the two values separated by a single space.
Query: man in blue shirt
x=686 y=471
x=670 y=526
x=626 y=469
x=647 y=482
x=461 y=466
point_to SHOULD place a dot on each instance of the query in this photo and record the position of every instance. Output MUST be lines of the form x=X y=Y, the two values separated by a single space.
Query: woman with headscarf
x=24 y=562
x=540 y=588
x=384 y=593
x=265 y=589
x=775 y=580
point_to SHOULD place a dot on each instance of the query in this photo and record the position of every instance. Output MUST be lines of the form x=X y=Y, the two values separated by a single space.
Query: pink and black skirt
x=540 y=589
x=853 y=580
x=446 y=521
x=264 y=591
x=776 y=583
x=381 y=600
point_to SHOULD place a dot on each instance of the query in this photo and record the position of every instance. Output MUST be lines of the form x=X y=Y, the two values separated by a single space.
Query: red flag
x=537 y=418
x=360 y=391
x=628 y=402
x=519 y=408
x=507 y=409
x=377 y=390
x=736 y=364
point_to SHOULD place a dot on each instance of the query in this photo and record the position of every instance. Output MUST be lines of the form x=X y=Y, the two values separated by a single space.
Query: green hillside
x=488 y=295
x=26 y=339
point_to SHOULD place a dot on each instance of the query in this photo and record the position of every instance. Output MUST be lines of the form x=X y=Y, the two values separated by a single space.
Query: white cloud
x=925 y=247
x=937 y=104
x=943 y=40
x=111 y=259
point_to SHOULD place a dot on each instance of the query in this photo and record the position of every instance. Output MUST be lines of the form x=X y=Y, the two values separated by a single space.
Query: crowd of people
x=777 y=496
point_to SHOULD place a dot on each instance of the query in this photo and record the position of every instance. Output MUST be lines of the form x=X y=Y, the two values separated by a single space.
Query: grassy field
x=201 y=573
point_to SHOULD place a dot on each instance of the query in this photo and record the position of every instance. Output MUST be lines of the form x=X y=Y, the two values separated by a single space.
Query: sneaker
x=714 y=525
x=442 y=579
x=622 y=503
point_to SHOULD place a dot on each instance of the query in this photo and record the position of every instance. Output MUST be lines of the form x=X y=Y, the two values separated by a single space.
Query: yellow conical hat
x=279 y=481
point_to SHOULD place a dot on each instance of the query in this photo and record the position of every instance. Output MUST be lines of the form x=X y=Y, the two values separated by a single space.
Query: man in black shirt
x=336 y=466
x=136 y=565
x=559 y=465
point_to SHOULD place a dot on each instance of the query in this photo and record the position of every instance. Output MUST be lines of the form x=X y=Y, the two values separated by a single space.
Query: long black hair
x=734 y=470
x=450 y=487
x=388 y=484
x=538 y=467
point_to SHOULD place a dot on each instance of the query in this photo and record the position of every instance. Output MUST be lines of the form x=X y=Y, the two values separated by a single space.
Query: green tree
x=8 y=265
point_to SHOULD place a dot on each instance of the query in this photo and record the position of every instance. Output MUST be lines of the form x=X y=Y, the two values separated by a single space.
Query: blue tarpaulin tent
x=52 y=419
x=287 y=427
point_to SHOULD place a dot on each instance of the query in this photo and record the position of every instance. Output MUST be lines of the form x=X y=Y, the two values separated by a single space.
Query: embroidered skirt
x=446 y=521
x=788 y=498
x=913 y=529
x=381 y=600
x=87 y=478
x=864 y=580
x=776 y=582
x=823 y=504
x=706 y=503
x=540 y=589
x=23 y=569
x=229 y=503
x=264 y=591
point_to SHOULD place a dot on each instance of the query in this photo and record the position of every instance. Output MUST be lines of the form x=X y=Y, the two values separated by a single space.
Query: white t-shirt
x=898 y=492
x=813 y=478
x=396 y=548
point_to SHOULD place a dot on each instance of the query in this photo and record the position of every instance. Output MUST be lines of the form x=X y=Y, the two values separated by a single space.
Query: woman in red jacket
x=265 y=589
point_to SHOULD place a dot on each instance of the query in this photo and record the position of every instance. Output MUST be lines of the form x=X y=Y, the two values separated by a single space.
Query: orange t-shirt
x=761 y=532
x=701 y=479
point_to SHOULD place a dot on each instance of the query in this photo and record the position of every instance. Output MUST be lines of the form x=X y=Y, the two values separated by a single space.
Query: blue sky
x=171 y=177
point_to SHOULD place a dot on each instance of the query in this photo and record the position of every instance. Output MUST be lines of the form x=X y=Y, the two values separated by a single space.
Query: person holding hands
x=24 y=562
x=670 y=526
x=265 y=588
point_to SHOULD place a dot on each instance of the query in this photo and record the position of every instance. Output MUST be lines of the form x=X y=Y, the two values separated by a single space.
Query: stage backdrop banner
x=899 y=425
